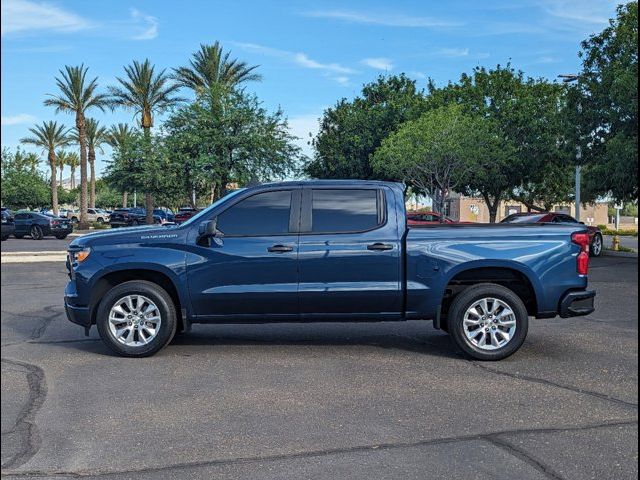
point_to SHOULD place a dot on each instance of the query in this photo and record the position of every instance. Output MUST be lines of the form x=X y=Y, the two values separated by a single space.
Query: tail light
x=582 y=239
x=55 y=222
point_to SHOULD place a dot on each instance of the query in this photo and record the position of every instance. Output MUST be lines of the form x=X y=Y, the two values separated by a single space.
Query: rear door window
x=343 y=211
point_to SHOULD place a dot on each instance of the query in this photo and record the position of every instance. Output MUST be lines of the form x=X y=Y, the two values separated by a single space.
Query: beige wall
x=467 y=209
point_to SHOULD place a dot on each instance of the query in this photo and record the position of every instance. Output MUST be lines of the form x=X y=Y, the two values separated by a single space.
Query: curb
x=613 y=253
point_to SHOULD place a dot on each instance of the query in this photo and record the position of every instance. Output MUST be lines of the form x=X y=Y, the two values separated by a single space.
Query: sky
x=310 y=54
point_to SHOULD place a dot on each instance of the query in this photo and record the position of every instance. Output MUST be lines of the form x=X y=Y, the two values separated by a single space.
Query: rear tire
x=155 y=296
x=61 y=237
x=36 y=232
x=504 y=325
x=5 y=237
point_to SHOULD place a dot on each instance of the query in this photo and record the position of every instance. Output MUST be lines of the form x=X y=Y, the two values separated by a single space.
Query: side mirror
x=209 y=229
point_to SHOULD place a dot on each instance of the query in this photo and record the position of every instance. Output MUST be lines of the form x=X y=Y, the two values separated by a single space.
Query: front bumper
x=80 y=314
x=577 y=303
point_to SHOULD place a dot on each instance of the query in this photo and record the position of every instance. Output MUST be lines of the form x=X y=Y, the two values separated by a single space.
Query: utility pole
x=568 y=78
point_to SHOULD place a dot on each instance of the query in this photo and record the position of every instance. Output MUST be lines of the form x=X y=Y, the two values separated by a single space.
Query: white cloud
x=146 y=26
x=24 y=16
x=580 y=11
x=451 y=52
x=18 y=119
x=378 y=63
x=389 y=20
x=419 y=75
x=305 y=128
x=301 y=59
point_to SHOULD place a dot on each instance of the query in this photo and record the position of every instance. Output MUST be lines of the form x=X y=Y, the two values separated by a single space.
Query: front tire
x=36 y=232
x=136 y=319
x=596 y=245
x=488 y=322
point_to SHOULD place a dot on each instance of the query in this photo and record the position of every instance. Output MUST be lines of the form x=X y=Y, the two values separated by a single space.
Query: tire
x=100 y=220
x=5 y=237
x=135 y=223
x=61 y=237
x=74 y=219
x=164 y=309
x=36 y=232
x=510 y=331
x=597 y=245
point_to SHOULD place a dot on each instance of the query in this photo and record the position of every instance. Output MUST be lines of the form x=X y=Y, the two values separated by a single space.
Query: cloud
x=146 y=26
x=579 y=11
x=18 y=119
x=419 y=75
x=24 y=16
x=388 y=20
x=297 y=58
x=378 y=63
x=305 y=128
x=451 y=52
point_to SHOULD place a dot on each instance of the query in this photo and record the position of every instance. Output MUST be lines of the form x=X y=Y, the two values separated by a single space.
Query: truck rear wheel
x=136 y=318
x=488 y=321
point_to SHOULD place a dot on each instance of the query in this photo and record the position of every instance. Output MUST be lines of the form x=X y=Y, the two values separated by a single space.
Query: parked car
x=126 y=217
x=596 y=241
x=39 y=225
x=164 y=214
x=326 y=251
x=8 y=225
x=426 y=218
x=185 y=213
x=93 y=215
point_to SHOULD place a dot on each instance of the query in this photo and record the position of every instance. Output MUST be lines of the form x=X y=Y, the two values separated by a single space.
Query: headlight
x=81 y=255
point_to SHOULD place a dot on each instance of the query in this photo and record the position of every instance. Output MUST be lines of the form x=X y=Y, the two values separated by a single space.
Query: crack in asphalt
x=492 y=438
x=542 y=381
x=25 y=425
x=512 y=450
x=38 y=330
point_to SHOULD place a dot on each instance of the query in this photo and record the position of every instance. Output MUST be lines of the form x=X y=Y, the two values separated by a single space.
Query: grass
x=623 y=233
x=99 y=226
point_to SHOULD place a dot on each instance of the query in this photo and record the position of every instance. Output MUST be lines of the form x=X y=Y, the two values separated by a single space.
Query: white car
x=93 y=215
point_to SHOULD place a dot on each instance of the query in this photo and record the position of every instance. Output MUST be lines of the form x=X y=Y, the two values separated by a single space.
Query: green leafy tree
x=49 y=136
x=351 y=131
x=77 y=95
x=22 y=186
x=438 y=152
x=20 y=160
x=147 y=93
x=529 y=116
x=240 y=142
x=117 y=137
x=605 y=107
x=124 y=170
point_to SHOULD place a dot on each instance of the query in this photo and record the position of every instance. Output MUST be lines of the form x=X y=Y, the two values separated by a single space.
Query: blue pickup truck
x=322 y=251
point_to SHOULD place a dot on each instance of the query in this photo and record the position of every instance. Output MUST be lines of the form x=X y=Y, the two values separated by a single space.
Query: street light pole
x=567 y=79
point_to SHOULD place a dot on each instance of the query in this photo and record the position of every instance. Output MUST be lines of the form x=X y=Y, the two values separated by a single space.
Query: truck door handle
x=379 y=246
x=280 y=249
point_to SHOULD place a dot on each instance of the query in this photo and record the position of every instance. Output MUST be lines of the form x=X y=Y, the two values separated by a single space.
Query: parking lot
x=382 y=400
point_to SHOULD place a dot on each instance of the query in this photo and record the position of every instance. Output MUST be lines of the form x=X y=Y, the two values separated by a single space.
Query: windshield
x=200 y=215
x=524 y=218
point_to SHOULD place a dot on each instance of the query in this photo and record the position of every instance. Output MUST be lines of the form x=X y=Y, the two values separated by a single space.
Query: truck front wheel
x=136 y=318
x=488 y=321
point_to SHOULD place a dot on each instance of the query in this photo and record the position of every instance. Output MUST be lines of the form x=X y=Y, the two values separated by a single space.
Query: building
x=470 y=209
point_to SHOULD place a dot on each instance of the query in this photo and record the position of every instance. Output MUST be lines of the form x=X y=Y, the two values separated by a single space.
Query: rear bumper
x=577 y=304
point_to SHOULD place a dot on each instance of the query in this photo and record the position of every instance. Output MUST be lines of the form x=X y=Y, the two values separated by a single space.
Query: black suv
x=8 y=226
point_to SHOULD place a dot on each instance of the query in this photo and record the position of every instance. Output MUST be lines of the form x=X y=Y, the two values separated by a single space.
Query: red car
x=184 y=214
x=595 y=235
x=425 y=218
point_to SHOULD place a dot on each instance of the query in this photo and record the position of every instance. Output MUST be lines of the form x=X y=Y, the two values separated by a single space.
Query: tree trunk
x=54 y=183
x=61 y=169
x=124 y=199
x=82 y=140
x=72 y=180
x=148 y=203
x=92 y=180
x=212 y=197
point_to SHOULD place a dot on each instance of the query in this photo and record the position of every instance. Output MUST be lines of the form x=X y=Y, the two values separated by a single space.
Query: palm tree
x=26 y=160
x=116 y=137
x=96 y=137
x=61 y=156
x=146 y=93
x=77 y=95
x=73 y=160
x=49 y=136
x=211 y=68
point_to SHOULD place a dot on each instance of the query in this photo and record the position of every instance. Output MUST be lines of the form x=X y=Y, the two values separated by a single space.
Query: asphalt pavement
x=322 y=401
